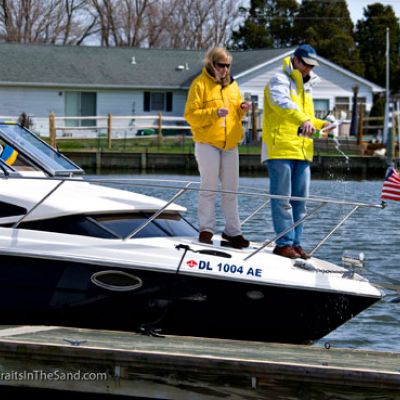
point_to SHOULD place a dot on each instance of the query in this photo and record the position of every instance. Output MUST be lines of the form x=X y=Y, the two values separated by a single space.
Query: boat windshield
x=115 y=226
x=19 y=145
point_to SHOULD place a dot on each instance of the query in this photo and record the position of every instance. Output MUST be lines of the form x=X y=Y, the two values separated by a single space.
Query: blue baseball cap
x=307 y=54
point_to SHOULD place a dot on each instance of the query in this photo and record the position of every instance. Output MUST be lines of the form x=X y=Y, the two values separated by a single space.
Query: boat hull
x=46 y=291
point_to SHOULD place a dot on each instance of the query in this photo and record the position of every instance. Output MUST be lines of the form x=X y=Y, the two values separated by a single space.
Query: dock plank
x=174 y=367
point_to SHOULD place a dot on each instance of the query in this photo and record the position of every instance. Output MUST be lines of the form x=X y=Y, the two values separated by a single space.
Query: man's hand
x=307 y=128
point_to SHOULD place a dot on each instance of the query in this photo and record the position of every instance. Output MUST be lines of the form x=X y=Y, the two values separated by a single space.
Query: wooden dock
x=187 y=368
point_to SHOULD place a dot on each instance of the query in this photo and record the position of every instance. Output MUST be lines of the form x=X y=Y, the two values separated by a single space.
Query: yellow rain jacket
x=287 y=105
x=204 y=98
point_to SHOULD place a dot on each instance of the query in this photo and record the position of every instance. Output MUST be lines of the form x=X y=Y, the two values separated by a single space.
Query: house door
x=88 y=108
x=80 y=104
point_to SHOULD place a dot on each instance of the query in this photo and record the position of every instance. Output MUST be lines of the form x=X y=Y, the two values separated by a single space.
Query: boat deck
x=172 y=367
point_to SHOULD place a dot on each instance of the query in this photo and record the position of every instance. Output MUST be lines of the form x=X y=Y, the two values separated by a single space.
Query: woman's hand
x=245 y=106
x=222 y=112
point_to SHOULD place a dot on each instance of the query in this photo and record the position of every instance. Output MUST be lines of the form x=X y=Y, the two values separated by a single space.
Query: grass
x=173 y=145
x=140 y=145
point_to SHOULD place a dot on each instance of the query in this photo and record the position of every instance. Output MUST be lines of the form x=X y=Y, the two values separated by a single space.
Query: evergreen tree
x=269 y=24
x=327 y=26
x=371 y=41
x=253 y=33
x=281 y=22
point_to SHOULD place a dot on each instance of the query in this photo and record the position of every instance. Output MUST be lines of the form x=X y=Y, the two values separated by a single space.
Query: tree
x=204 y=24
x=371 y=41
x=281 y=22
x=327 y=26
x=120 y=22
x=269 y=23
x=187 y=24
x=45 y=21
x=253 y=34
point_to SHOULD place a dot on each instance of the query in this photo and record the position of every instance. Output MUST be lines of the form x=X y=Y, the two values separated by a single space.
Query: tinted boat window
x=114 y=226
x=123 y=226
x=175 y=225
x=8 y=210
x=164 y=225
x=73 y=225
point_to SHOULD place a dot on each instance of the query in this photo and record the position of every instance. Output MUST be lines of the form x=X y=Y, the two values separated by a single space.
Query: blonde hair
x=212 y=56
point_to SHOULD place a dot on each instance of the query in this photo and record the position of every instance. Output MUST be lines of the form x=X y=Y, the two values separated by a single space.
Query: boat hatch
x=34 y=151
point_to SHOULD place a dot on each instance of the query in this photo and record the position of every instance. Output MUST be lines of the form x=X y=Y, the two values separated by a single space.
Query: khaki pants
x=216 y=165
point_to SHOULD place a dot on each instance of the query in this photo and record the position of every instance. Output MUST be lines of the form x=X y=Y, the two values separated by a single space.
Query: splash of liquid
x=339 y=150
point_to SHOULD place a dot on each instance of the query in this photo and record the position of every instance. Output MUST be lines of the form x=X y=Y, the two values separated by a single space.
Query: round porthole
x=117 y=281
x=255 y=295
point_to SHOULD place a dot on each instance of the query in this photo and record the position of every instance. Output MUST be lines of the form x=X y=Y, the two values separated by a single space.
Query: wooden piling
x=52 y=129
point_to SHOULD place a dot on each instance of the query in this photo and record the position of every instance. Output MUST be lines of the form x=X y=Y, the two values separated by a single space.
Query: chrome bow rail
x=182 y=186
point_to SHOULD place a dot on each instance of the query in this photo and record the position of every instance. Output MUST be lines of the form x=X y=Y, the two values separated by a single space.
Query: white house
x=334 y=91
x=95 y=81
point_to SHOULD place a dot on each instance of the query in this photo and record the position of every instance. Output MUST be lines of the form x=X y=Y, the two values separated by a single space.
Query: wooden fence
x=108 y=123
x=373 y=126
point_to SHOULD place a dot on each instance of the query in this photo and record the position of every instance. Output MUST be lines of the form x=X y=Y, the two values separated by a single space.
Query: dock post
x=52 y=129
x=109 y=130
x=159 y=129
x=360 y=131
x=143 y=160
x=98 y=161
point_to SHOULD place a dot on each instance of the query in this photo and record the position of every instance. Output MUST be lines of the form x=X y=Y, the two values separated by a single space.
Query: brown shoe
x=286 y=251
x=300 y=251
x=205 y=237
x=238 y=240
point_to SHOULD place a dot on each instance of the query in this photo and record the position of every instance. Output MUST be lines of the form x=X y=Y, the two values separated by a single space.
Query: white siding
x=37 y=102
x=255 y=82
x=179 y=103
x=131 y=103
x=335 y=84
x=41 y=102
x=119 y=103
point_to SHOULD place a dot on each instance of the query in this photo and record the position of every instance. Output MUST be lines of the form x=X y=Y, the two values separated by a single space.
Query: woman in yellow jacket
x=214 y=110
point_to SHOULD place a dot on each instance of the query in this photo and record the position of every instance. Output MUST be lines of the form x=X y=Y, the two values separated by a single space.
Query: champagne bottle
x=318 y=134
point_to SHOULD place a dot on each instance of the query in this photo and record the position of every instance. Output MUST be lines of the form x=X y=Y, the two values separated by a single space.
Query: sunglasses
x=221 y=65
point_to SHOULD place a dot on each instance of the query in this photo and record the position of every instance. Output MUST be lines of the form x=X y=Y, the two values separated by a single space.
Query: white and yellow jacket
x=204 y=98
x=288 y=104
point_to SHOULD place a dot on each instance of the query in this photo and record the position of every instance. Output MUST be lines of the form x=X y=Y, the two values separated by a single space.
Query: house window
x=157 y=101
x=254 y=99
x=321 y=108
x=80 y=104
x=342 y=108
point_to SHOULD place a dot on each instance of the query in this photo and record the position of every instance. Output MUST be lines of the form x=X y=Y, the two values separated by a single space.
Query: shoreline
x=357 y=167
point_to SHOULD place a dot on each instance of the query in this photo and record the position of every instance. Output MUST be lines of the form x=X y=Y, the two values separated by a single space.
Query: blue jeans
x=288 y=178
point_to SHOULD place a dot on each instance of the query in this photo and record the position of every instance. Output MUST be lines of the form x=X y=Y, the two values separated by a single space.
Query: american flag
x=391 y=185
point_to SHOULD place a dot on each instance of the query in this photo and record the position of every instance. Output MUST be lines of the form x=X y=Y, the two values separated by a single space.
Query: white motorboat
x=78 y=252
